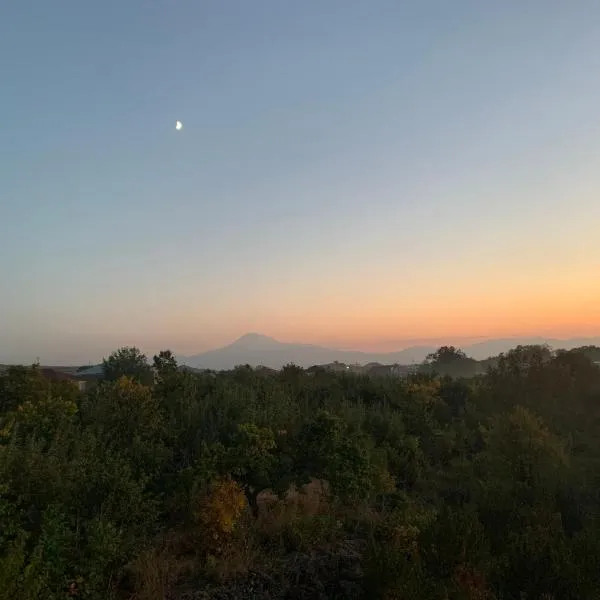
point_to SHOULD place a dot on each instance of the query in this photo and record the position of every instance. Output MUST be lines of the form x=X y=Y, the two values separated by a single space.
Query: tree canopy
x=129 y=362
x=449 y=483
x=451 y=361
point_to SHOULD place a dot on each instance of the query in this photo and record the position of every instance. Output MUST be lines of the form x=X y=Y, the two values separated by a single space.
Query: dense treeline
x=161 y=483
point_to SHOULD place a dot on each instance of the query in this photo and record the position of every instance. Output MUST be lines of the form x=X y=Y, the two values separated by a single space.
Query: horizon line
x=403 y=345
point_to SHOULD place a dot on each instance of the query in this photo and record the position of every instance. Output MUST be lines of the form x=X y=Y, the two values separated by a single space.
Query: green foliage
x=21 y=384
x=251 y=460
x=331 y=451
x=450 y=361
x=33 y=405
x=434 y=486
x=164 y=363
x=128 y=362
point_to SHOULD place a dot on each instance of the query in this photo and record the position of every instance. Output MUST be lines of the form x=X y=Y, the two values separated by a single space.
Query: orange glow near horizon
x=567 y=308
x=371 y=310
x=464 y=326
x=391 y=323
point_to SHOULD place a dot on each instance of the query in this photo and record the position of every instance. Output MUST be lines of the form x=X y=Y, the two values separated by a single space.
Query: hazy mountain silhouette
x=256 y=349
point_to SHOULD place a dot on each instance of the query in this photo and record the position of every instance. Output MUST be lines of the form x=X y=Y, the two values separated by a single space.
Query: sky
x=349 y=173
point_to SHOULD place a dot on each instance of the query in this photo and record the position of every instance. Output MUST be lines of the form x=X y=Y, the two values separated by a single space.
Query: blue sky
x=348 y=172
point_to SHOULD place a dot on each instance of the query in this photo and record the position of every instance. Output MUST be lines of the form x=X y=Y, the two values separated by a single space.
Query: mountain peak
x=257 y=349
x=255 y=340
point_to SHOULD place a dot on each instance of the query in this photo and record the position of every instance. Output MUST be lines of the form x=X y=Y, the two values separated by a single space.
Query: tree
x=440 y=487
x=252 y=460
x=591 y=352
x=456 y=394
x=445 y=355
x=20 y=384
x=523 y=359
x=129 y=419
x=451 y=361
x=520 y=377
x=523 y=450
x=167 y=375
x=520 y=471
x=128 y=362
x=33 y=406
x=164 y=363
x=291 y=372
x=331 y=452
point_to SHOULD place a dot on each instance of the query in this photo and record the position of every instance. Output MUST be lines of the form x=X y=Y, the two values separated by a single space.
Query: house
x=265 y=370
x=52 y=373
x=315 y=370
x=395 y=370
x=57 y=374
x=89 y=376
x=379 y=370
x=83 y=378
x=336 y=367
x=401 y=370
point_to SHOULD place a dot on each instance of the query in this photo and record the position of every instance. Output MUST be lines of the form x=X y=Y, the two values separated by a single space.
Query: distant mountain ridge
x=256 y=349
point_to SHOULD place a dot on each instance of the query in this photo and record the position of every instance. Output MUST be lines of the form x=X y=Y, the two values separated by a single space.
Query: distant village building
x=336 y=367
x=61 y=374
x=265 y=370
x=55 y=374
x=395 y=370
x=89 y=377
x=315 y=369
